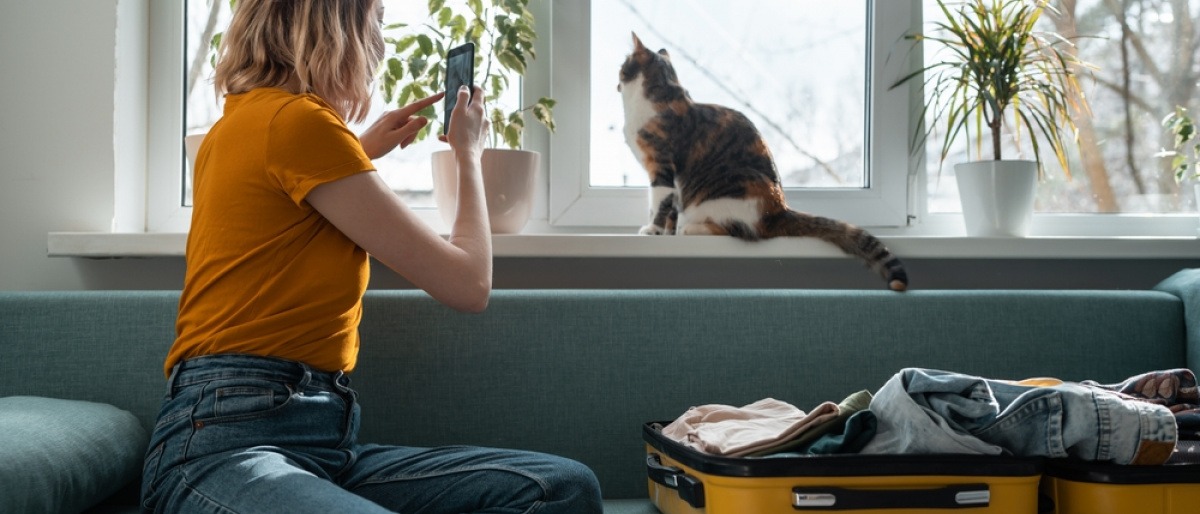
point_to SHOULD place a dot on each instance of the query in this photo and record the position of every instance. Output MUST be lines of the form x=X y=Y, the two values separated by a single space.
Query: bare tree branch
x=1089 y=145
x=1135 y=40
x=198 y=60
x=1133 y=99
x=680 y=51
x=1130 y=131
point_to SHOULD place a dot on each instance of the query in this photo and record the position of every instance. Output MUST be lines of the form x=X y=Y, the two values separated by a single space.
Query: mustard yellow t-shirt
x=266 y=273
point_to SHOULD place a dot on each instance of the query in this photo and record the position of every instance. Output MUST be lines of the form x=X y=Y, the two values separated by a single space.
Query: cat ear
x=663 y=52
x=637 y=43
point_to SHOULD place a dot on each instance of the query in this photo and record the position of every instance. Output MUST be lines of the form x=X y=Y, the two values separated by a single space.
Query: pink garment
x=740 y=431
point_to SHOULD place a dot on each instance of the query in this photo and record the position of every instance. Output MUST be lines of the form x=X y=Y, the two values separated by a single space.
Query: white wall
x=56 y=133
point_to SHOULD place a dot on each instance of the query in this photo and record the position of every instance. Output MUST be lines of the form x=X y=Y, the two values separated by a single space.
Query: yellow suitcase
x=682 y=480
x=1091 y=488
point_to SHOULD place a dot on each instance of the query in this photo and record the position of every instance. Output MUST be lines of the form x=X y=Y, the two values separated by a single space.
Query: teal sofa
x=577 y=372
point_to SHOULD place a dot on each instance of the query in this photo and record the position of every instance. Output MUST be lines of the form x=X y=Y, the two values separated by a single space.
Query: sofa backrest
x=577 y=372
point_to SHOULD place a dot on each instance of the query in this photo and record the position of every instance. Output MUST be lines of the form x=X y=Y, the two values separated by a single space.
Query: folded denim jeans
x=933 y=411
x=1174 y=389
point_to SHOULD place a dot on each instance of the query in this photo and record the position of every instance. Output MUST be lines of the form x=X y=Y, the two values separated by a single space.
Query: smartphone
x=460 y=70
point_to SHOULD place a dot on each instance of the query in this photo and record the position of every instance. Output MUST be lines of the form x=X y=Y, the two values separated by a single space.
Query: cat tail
x=851 y=239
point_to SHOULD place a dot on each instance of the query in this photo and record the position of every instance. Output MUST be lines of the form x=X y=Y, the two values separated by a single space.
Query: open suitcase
x=1094 y=488
x=682 y=480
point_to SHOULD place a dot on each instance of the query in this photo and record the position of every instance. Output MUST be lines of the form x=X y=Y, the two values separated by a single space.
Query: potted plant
x=1185 y=157
x=503 y=32
x=994 y=72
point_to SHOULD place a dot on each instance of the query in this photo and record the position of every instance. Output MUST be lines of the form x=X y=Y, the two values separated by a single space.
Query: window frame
x=894 y=204
x=165 y=211
x=574 y=202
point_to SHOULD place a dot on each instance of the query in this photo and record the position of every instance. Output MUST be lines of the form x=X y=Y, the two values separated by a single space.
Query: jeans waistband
x=216 y=367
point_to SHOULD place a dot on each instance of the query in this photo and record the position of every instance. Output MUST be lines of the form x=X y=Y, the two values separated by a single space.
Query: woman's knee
x=572 y=488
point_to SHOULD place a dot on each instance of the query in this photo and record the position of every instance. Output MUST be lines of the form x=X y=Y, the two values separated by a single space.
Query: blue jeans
x=932 y=411
x=242 y=434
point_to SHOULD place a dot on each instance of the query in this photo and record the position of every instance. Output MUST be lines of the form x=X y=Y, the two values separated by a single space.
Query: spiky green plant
x=994 y=69
x=503 y=33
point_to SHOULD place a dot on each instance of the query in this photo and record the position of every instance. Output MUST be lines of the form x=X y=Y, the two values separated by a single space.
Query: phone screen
x=460 y=70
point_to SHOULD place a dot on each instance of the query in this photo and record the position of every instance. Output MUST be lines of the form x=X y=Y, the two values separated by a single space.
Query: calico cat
x=712 y=173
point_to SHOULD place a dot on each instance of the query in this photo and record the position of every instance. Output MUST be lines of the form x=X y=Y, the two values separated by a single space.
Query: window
x=818 y=96
x=407 y=171
x=1143 y=72
x=815 y=123
x=814 y=78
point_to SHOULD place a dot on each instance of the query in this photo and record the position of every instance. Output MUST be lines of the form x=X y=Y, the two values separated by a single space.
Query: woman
x=258 y=415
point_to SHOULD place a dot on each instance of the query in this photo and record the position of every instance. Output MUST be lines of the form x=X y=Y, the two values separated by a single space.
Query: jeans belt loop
x=171 y=380
x=304 y=379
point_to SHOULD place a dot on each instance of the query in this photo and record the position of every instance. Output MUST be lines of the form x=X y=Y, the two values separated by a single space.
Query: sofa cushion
x=65 y=455
x=1186 y=285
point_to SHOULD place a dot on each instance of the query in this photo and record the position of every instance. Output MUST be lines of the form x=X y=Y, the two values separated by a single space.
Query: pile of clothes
x=1151 y=418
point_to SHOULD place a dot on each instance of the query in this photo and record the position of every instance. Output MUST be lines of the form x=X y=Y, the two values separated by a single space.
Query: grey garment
x=932 y=411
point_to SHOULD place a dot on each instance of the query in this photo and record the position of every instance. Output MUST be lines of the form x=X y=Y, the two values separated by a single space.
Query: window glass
x=407 y=171
x=1143 y=73
x=202 y=20
x=799 y=70
x=796 y=68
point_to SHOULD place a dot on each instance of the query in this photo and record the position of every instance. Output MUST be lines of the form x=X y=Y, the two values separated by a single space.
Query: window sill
x=116 y=245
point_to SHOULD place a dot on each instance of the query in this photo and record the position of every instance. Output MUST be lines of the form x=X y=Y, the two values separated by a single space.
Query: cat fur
x=711 y=171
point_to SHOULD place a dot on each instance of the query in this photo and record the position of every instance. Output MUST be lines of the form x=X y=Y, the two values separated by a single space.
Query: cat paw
x=651 y=230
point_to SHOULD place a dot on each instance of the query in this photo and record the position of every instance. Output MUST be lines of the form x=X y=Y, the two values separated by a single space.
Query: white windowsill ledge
x=114 y=245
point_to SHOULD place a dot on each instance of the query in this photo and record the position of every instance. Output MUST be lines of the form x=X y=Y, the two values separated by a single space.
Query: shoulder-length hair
x=333 y=48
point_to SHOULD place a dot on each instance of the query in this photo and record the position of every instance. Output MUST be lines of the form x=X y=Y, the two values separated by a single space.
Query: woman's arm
x=458 y=271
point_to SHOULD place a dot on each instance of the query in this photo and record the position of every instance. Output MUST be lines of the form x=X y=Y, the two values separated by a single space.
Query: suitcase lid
x=1108 y=473
x=845 y=465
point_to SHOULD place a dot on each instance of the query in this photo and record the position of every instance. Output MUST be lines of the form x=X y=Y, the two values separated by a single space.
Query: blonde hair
x=331 y=47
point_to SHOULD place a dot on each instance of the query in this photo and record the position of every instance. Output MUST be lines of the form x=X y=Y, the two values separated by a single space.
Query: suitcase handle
x=962 y=496
x=690 y=490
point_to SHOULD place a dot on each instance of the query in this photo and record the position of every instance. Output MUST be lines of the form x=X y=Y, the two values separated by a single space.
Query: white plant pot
x=508 y=185
x=1196 y=191
x=191 y=145
x=997 y=197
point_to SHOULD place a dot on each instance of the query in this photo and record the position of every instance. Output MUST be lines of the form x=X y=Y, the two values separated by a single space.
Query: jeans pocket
x=242 y=400
x=237 y=413
x=235 y=400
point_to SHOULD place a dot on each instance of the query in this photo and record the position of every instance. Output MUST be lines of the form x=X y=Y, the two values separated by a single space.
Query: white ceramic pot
x=191 y=145
x=508 y=185
x=997 y=197
x=1196 y=190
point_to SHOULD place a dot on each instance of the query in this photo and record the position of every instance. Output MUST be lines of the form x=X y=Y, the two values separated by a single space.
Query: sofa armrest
x=1186 y=285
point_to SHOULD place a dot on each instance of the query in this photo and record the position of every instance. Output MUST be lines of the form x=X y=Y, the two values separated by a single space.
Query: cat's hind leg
x=707 y=228
x=722 y=216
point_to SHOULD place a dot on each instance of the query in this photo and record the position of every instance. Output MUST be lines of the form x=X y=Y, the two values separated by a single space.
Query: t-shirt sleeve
x=309 y=145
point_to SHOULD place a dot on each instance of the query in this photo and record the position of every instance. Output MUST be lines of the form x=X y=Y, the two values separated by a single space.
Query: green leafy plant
x=995 y=70
x=1186 y=156
x=503 y=33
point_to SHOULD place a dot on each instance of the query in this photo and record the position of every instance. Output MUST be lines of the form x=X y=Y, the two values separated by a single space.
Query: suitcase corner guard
x=689 y=488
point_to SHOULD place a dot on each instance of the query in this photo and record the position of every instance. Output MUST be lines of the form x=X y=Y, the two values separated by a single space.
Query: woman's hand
x=396 y=128
x=468 y=123
x=457 y=271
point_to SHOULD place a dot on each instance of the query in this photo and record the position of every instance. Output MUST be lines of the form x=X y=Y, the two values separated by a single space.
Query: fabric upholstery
x=577 y=372
x=65 y=455
x=1186 y=285
x=602 y=362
